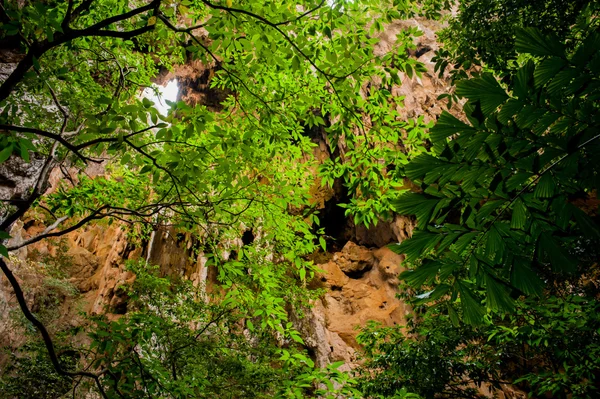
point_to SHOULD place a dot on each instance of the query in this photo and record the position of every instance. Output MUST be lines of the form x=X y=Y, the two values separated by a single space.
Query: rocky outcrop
x=360 y=286
x=17 y=178
x=419 y=93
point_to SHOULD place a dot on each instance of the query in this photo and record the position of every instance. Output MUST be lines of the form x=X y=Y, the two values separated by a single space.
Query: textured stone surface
x=349 y=303
x=17 y=178
x=354 y=260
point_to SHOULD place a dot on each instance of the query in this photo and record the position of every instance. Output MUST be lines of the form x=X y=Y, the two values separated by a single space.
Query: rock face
x=359 y=282
x=17 y=178
x=361 y=287
x=420 y=93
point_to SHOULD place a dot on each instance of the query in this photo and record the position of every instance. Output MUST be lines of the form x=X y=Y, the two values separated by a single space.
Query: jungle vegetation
x=503 y=263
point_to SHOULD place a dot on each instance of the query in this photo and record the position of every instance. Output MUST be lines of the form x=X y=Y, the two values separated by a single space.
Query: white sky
x=167 y=92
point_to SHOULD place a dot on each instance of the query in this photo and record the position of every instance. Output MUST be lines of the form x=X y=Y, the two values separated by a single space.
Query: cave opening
x=333 y=219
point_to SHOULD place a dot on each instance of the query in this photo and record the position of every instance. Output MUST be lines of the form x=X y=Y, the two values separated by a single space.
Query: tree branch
x=36 y=50
x=53 y=136
x=44 y=332
x=46 y=234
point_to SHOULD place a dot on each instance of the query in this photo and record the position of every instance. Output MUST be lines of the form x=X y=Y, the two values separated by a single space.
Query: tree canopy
x=72 y=100
x=505 y=196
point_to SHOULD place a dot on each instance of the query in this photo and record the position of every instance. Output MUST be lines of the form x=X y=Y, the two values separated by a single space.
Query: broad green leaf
x=562 y=80
x=473 y=312
x=415 y=204
x=498 y=297
x=545 y=187
x=547 y=69
x=516 y=181
x=545 y=122
x=524 y=80
x=486 y=90
x=6 y=153
x=323 y=243
x=524 y=278
x=495 y=247
x=464 y=241
x=509 y=110
x=421 y=165
x=453 y=315
x=519 y=215
x=489 y=208
x=448 y=125
x=532 y=41
x=417 y=277
x=419 y=244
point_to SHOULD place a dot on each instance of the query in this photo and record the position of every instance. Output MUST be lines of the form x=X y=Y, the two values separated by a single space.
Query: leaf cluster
x=499 y=211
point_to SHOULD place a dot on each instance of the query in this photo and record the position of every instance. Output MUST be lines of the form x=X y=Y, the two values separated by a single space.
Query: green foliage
x=29 y=374
x=176 y=341
x=483 y=33
x=498 y=213
x=281 y=72
x=208 y=170
x=432 y=358
x=559 y=342
x=548 y=348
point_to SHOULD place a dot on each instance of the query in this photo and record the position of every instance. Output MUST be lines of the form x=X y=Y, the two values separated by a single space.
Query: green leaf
x=523 y=80
x=498 y=297
x=464 y=241
x=295 y=63
x=417 y=277
x=6 y=153
x=516 y=181
x=416 y=246
x=3 y=251
x=495 y=248
x=323 y=243
x=302 y=273
x=448 y=125
x=529 y=116
x=421 y=165
x=473 y=312
x=486 y=90
x=562 y=80
x=509 y=110
x=519 y=215
x=532 y=41
x=524 y=278
x=489 y=208
x=24 y=154
x=415 y=204
x=36 y=64
x=545 y=122
x=545 y=187
x=453 y=315
x=547 y=69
